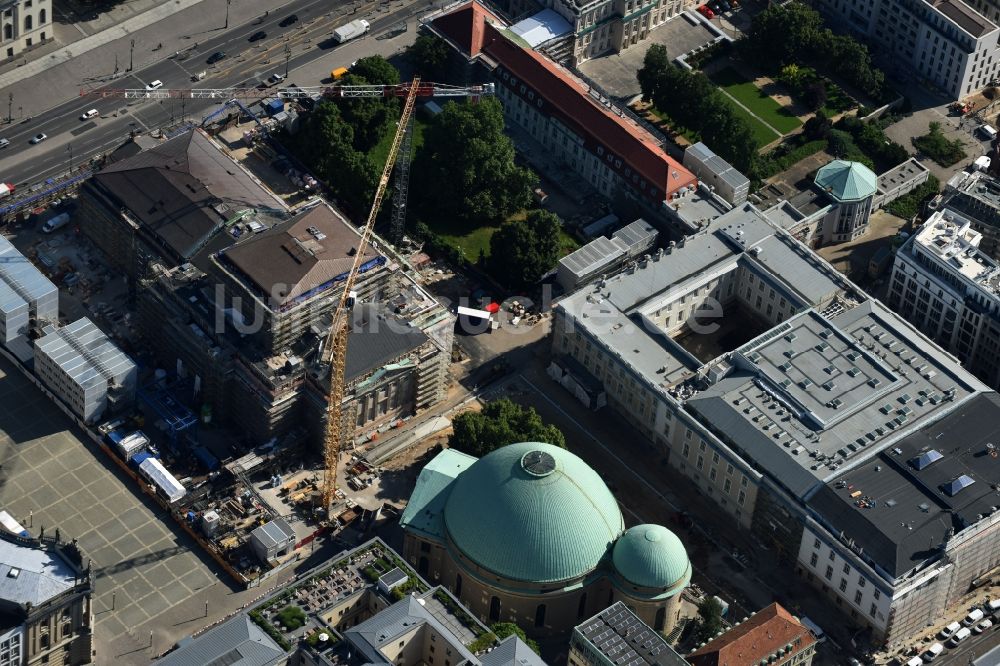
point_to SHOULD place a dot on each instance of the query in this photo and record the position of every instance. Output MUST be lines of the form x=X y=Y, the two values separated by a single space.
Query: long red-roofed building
x=771 y=636
x=557 y=109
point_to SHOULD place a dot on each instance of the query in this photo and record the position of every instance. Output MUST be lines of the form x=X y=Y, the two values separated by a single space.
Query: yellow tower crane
x=335 y=347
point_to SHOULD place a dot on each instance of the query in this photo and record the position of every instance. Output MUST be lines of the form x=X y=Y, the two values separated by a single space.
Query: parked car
x=931 y=653
x=288 y=20
x=257 y=36
x=959 y=636
x=949 y=631
x=87 y=115
x=982 y=626
x=705 y=11
x=974 y=616
x=275 y=78
x=4 y=143
x=216 y=57
x=38 y=138
x=154 y=85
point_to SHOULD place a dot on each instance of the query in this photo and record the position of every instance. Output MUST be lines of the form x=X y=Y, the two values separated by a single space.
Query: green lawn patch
x=752 y=97
x=762 y=134
x=381 y=151
x=471 y=241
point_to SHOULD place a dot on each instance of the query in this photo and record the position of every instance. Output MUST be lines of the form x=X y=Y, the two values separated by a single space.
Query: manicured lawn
x=762 y=134
x=381 y=151
x=473 y=240
x=772 y=113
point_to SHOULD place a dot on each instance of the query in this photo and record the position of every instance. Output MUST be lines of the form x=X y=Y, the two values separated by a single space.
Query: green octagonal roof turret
x=847 y=181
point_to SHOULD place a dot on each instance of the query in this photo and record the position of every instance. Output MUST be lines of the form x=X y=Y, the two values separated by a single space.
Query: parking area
x=616 y=73
x=52 y=477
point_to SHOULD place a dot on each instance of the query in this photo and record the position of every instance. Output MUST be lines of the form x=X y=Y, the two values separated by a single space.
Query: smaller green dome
x=847 y=181
x=652 y=556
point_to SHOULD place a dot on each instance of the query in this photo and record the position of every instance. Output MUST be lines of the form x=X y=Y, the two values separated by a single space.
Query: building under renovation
x=235 y=293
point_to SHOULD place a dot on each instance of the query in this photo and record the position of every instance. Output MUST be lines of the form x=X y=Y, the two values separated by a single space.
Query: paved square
x=50 y=477
x=616 y=73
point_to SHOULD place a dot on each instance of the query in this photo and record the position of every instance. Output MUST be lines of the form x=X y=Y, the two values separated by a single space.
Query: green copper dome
x=652 y=556
x=847 y=181
x=532 y=512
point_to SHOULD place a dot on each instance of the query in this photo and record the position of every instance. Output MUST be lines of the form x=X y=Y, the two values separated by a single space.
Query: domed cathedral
x=530 y=534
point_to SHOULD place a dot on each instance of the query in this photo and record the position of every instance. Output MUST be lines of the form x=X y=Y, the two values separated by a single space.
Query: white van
x=962 y=634
x=993 y=605
x=973 y=617
x=87 y=115
x=949 y=631
x=931 y=653
x=988 y=131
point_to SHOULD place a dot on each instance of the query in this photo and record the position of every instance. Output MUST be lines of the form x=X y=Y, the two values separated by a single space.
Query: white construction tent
x=154 y=470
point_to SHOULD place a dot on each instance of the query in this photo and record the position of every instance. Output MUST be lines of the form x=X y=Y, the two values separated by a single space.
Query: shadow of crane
x=139 y=560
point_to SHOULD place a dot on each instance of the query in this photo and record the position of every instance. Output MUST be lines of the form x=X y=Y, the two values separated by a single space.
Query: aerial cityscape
x=500 y=333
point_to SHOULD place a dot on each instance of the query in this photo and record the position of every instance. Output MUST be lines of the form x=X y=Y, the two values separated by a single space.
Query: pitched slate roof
x=238 y=642
x=767 y=632
x=182 y=191
x=286 y=262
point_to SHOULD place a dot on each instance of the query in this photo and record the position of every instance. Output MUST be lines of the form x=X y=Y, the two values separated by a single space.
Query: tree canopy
x=325 y=143
x=694 y=102
x=504 y=629
x=465 y=170
x=793 y=33
x=710 y=623
x=336 y=137
x=429 y=56
x=522 y=251
x=500 y=423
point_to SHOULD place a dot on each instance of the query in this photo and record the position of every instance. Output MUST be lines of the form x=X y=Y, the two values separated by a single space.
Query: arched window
x=540 y=615
x=41 y=17
x=494 y=609
x=581 y=609
x=661 y=619
x=8 y=31
x=458 y=585
x=27 y=22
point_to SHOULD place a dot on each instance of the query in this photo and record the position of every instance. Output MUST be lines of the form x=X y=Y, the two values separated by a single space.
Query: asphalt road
x=72 y=140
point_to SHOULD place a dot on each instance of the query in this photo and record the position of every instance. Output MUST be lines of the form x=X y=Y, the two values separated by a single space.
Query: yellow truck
x=338 y=73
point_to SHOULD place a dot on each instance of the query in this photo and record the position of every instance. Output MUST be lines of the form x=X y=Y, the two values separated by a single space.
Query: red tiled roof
x=766 y=632
x=465 y=26
x=569 y=100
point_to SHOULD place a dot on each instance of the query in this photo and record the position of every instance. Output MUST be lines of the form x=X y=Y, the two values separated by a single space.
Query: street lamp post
x=228 y=2
x=131 y=48
x=10 y=107
x=70 y=148
x=288 y=55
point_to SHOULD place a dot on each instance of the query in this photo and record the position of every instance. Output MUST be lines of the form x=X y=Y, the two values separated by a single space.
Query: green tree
x=814 y=95
x=783 y=34
x=710 y=622
x=465 y=170
x=500 y=423
x=376 y=70
x=504 y=629
x=325 y=143
x=522 y=251
x=429 y=56
x=654 y=64
x=817 y=127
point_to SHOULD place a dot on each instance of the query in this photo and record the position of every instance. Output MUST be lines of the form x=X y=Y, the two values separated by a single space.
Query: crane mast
x=335 y=349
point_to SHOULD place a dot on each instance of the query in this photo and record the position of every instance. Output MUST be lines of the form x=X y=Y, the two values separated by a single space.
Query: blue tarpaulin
x=138 y=458
x=206 y=458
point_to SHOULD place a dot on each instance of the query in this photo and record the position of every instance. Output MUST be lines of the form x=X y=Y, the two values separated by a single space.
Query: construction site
x=283 y=355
